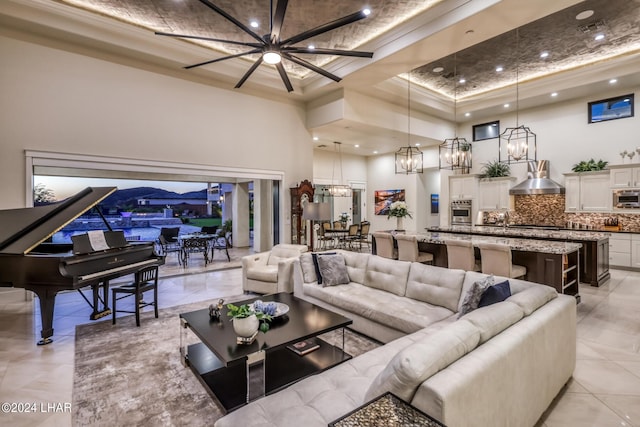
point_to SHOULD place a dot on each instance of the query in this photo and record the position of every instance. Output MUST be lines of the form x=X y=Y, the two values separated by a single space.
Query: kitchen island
x=548 y=262
x=594 y=253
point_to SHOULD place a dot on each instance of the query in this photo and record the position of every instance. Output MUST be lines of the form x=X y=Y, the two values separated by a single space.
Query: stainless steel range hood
x=538 y=181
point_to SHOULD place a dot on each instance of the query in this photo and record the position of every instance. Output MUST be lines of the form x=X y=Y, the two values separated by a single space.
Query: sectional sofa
x=499 y=365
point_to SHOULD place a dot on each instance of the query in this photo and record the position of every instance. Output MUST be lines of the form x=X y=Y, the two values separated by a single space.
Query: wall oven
x=626 y=199
x=461 y=212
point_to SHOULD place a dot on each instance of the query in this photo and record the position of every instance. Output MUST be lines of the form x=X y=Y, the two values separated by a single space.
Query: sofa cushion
x=474 y=294
x=417 y=362
x=387 y=274
x=404 y=314
x=496 y=293
x=356 y=265
x=493 y=319
x=533 y=298
x=265 y=273
x=333 y=270
x=307 y=266
x=435 y=285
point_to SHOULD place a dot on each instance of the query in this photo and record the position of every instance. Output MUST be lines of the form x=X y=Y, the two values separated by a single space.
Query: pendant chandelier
x=409 y=159
x=455 y=153
x=517 y=144
x=338 y=190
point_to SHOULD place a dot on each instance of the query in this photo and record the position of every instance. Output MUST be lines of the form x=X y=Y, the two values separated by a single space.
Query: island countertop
x=516 y=244
x=530 y=233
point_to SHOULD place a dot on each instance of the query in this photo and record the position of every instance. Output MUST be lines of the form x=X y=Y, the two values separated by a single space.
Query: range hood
x=538 y=181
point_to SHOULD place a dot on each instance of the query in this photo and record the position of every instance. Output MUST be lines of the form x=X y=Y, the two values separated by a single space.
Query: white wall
x=53 y=100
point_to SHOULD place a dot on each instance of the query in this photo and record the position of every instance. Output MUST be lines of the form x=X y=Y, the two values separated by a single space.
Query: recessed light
x=506 y=105
x=544 y=54
x=467 y=114
x=438 y=69
x=315 y=138
x=357 y=145
x=554 y=94
x=461 y=81
x=366 y=12
x=417 y=144
x=375 y=152
x=584 y=14
x=499 y=69
x=613 y=81
x=599 y=37
x=311 y=47
x=254 y=24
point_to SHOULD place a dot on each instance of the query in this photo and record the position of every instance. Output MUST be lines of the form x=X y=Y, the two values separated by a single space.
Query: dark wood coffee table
x=237 y=373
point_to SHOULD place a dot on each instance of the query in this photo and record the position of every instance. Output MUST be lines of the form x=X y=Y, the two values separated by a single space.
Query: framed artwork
x=383 y=199
x=435 y=203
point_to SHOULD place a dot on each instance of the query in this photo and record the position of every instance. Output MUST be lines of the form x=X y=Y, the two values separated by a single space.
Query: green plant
x=494 y=169
x=398 y=209
x=590 y=165
x=245 y=310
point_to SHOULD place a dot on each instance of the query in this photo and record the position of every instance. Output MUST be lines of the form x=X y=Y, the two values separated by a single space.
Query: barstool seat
x=461 y=255
x=496 y=260
x=408 y=250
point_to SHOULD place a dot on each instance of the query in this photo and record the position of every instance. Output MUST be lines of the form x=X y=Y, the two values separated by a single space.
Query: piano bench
x=145 y=280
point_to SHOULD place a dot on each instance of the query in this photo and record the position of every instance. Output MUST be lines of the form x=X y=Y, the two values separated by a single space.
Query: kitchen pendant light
x=517 y=144
x=409 y=159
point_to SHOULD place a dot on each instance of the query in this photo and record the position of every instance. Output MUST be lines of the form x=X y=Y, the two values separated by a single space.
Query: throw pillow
x=333 y=270
x=495 y=293
x=315 y=256
x=472 y=298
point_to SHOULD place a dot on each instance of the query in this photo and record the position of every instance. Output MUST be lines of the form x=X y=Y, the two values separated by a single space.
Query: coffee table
x=237 y=373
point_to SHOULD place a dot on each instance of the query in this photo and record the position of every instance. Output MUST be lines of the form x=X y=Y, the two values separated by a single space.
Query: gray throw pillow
x=333 y=270
x=472 y=298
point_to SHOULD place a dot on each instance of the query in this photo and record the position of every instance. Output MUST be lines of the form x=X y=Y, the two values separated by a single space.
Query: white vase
x=399 y=223
x=246 y=326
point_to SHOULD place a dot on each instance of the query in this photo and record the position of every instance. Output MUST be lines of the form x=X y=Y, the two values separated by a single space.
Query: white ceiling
x=403 y=36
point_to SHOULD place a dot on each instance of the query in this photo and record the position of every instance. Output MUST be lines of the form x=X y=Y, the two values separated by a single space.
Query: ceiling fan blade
x=278 y=19
x=338 y=52
x=184 y=36
x=284 y=77
x=248 y=73
x=232 y=19
x=312 y=67
x=325 y=27
x=223 y=58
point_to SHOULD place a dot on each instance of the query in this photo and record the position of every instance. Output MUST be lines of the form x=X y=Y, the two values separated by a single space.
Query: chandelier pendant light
x=455 y=153
x=517 y=144
x=409 y=159
x=338 y=190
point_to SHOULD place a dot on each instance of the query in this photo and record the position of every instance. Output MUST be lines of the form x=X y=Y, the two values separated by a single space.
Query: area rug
x=126 y=376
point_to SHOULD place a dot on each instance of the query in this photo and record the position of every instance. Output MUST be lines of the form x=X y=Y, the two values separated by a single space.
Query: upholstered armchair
x=272 y=271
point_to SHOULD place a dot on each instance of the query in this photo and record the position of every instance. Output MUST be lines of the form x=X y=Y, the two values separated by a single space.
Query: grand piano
x=28 y=261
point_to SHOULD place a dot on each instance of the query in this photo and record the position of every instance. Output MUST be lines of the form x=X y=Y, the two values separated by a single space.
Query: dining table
x=195 y=243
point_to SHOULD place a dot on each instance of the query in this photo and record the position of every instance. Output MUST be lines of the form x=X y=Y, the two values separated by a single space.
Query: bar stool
x=496 y=259
x=408 y=250
x=460 y=255
x=145 y=280
x=384 y=245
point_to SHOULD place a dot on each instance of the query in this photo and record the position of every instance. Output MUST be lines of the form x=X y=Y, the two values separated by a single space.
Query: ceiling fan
x=273 y=49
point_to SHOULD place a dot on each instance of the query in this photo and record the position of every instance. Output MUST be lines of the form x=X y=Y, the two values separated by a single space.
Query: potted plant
x=344 y=218
x=246 y=320
x=399 y=210
x=495 y=169
x=590 y=165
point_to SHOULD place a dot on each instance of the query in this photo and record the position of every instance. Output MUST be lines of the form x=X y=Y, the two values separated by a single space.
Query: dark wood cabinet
x=300 y=196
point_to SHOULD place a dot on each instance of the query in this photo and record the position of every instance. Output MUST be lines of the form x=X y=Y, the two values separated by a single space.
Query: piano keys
x=27 y=261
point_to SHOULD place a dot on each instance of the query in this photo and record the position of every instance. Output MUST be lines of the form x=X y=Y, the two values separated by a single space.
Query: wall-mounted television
x=486 y=131
x=619 y=107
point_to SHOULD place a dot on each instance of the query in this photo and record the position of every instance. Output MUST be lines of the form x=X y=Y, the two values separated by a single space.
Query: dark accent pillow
x=333 y=270
x=496 y=293
x=314 y=256
x=473 y=296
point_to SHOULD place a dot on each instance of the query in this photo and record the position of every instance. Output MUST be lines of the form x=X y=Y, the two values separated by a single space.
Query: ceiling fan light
x=271 y=57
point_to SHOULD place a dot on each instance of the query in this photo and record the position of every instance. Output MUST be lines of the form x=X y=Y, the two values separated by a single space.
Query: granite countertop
x=541 y=233
x=525 y=245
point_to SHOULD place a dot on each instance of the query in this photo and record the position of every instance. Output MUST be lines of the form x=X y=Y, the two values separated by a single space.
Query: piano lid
x=23 y=229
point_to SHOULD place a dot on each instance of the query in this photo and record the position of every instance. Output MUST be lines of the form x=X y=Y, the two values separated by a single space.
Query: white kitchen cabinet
x=635 y=250
x=620 y=249
x=587 y=192
x=463 y=187
x=626 y=177
x=493 y=193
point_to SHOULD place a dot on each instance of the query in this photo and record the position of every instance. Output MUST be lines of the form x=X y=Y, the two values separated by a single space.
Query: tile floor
x=604 y=391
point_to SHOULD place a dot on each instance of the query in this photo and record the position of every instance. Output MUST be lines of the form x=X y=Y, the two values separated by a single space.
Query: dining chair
x=408 y=250
x=352 y=236
x=363 y=236
x=144 y=280
x=496 y=259
x=384 y=245
x=323 y=240
x=337 y=225
x=461 y=255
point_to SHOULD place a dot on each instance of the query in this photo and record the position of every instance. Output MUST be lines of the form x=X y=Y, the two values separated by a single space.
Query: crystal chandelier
x=409 y=159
